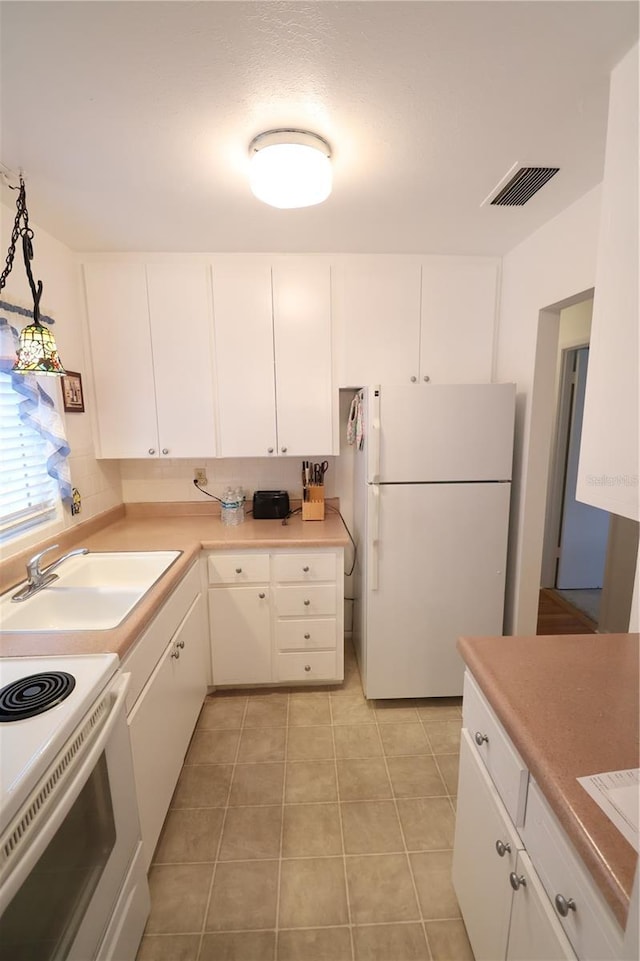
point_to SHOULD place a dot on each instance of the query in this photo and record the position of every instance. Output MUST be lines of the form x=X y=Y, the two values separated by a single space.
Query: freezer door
x=440 y=432
x=440 y=561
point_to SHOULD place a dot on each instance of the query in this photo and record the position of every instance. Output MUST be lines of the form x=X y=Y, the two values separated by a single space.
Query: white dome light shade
x=290 y=168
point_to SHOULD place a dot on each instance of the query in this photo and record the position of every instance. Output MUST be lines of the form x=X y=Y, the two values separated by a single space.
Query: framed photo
x=72 y=396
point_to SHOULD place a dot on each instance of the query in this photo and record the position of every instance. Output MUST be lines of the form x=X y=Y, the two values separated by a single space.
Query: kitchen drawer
x=306 y=634
x=306 y=666
x=238 y=568
x=504 y=764
x=305 y=601
x=304 y=567
x=591 y=928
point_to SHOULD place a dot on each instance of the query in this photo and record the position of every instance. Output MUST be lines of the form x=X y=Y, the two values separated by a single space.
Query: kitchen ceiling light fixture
x=37 y=351
x=290 y=168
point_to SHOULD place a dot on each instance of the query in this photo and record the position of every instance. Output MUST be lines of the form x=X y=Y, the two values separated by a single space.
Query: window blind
x=28 y=495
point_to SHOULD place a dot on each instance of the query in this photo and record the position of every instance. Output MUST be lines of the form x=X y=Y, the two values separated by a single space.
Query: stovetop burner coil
x=34 y=694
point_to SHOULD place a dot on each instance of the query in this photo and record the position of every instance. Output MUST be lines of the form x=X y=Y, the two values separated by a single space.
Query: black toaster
x=269 y=505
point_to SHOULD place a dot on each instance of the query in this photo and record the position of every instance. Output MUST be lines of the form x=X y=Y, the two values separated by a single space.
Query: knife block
x=313 y=508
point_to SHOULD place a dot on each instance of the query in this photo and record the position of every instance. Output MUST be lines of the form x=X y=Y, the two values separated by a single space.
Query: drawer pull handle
x=238 y=570
x=306 y=570
x=563 y=906
x=307 y=637
x=152 y=450
x=175 y=654
x=261 y=595
x=481 y=739
x=517 y=880
x=306 y=603
x=503 y=847
x=307 y=667
x=180 y=644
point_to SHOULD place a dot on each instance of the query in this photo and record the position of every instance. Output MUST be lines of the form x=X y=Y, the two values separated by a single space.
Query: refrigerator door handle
x=374 y=464
x=374 y=531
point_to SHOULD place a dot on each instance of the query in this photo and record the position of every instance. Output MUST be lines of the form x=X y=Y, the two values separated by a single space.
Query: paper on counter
x=617 y=793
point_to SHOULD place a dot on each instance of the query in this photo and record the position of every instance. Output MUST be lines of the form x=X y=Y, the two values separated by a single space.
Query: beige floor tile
x=444 y=736
x=310 y=781
x=305 y=743
x=449 y=764
x=395 y=711
x=179 y=895
x=309 y=709
x=257 y=784
x=315 y=944
x=251 y=832
x=312 y=893
x=244 y=896
x=371 y=827
x=311 y=830
x=428 y=823
x=189 y=835
x=399 y=739
x=239 y=946
x=222 y=713
x=351 y=684
x=351 y=709
x=169 y=947
x=448 y=940
x=357 y=740
x=439 y=708
x=390 y=942
x=416 y=776
x=267 y=711
x=202 y=786
x=213 y=747
x=363 y=779
x=380 y=889
x=262 y=745
x=432 y=874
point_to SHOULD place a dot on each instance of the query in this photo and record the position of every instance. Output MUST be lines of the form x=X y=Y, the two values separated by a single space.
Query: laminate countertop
x=146 y=529
x=569 y=704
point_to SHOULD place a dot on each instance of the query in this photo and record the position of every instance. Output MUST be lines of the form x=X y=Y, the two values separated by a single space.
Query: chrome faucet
x=37 y=578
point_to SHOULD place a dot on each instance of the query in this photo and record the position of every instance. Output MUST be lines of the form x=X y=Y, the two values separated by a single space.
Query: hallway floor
x=311 y=825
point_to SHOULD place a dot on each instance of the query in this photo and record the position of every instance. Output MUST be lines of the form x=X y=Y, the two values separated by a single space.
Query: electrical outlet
x=200 y=475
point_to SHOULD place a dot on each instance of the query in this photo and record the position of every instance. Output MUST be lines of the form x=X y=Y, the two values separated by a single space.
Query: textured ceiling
x=131 y=120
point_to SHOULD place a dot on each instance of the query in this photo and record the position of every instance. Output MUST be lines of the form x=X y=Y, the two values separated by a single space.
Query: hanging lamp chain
x=21 y=229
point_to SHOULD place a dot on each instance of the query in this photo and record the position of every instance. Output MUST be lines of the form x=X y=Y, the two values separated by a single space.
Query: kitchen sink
x=93 y=592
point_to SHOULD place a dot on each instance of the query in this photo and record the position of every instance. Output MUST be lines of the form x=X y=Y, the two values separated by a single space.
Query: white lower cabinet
x=535 y=934
x=169 y=682
x=276 y=616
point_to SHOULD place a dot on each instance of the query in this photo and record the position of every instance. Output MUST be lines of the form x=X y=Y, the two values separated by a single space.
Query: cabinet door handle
x=307 y=637
x=307 y=667
x=503 y=847
x=306 y=603
x=152 y=450
x=481 y=739
x=261 y=595
x=517 y=880
x=306 y=570
x=284 y=450
x=563 y=906
x=238 y=570
x=426 y=378
x=180 y=644
x=413 y=380
x=175 y=654
x=165 y=450
x=269 y=450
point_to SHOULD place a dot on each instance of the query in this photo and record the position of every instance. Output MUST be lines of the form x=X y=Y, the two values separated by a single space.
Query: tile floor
x=311 y=825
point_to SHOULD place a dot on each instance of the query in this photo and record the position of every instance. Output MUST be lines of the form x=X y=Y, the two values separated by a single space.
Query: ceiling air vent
x=520 y=188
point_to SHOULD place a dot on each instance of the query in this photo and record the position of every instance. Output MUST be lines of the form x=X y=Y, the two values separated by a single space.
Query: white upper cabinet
x=150 y=331
x=459 y=297
x=273 y=356
x=407 y=319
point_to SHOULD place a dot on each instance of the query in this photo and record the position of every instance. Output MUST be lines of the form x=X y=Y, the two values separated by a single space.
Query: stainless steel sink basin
x=93 y=592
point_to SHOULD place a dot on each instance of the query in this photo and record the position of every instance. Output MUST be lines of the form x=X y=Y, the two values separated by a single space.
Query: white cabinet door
x=239 y=620
x=480 y=875
x=244 y=358
x=535 y=933
x=118 y=316
x=377 y=306
x=181 y=336
x=189 y=672
x=302 y=339
x=459 y=298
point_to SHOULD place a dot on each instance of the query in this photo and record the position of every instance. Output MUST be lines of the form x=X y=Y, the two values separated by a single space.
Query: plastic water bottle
x=232 y=510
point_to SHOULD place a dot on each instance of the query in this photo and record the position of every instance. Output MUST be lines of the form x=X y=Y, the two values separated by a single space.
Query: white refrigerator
x=431 y=516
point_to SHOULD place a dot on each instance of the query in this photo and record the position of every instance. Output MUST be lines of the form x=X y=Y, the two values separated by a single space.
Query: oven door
x=67 y=852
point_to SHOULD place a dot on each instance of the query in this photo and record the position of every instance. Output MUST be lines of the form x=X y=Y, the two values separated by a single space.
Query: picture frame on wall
x=72 y=395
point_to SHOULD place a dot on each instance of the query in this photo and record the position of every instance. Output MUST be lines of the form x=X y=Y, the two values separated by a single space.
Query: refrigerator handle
x=374 y=532
x=374 y=465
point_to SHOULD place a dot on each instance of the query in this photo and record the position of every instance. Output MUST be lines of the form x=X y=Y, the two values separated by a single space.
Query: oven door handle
x=47 y=822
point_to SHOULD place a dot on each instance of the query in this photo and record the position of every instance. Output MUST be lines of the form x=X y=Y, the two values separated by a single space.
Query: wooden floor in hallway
x=558 y=616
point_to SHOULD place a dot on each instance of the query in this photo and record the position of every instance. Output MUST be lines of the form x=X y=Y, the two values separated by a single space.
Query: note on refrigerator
x=617 y=793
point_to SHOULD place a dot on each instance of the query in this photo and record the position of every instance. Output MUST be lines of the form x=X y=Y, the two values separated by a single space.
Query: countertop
x=570 y=705
x=146 y=528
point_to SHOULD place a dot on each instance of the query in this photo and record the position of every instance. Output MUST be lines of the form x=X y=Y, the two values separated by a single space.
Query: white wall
x=54 y=264
x=608 y=472
x=552 y=268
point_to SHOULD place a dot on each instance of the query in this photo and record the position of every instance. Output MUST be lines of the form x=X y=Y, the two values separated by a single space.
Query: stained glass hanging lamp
x=37 y=351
